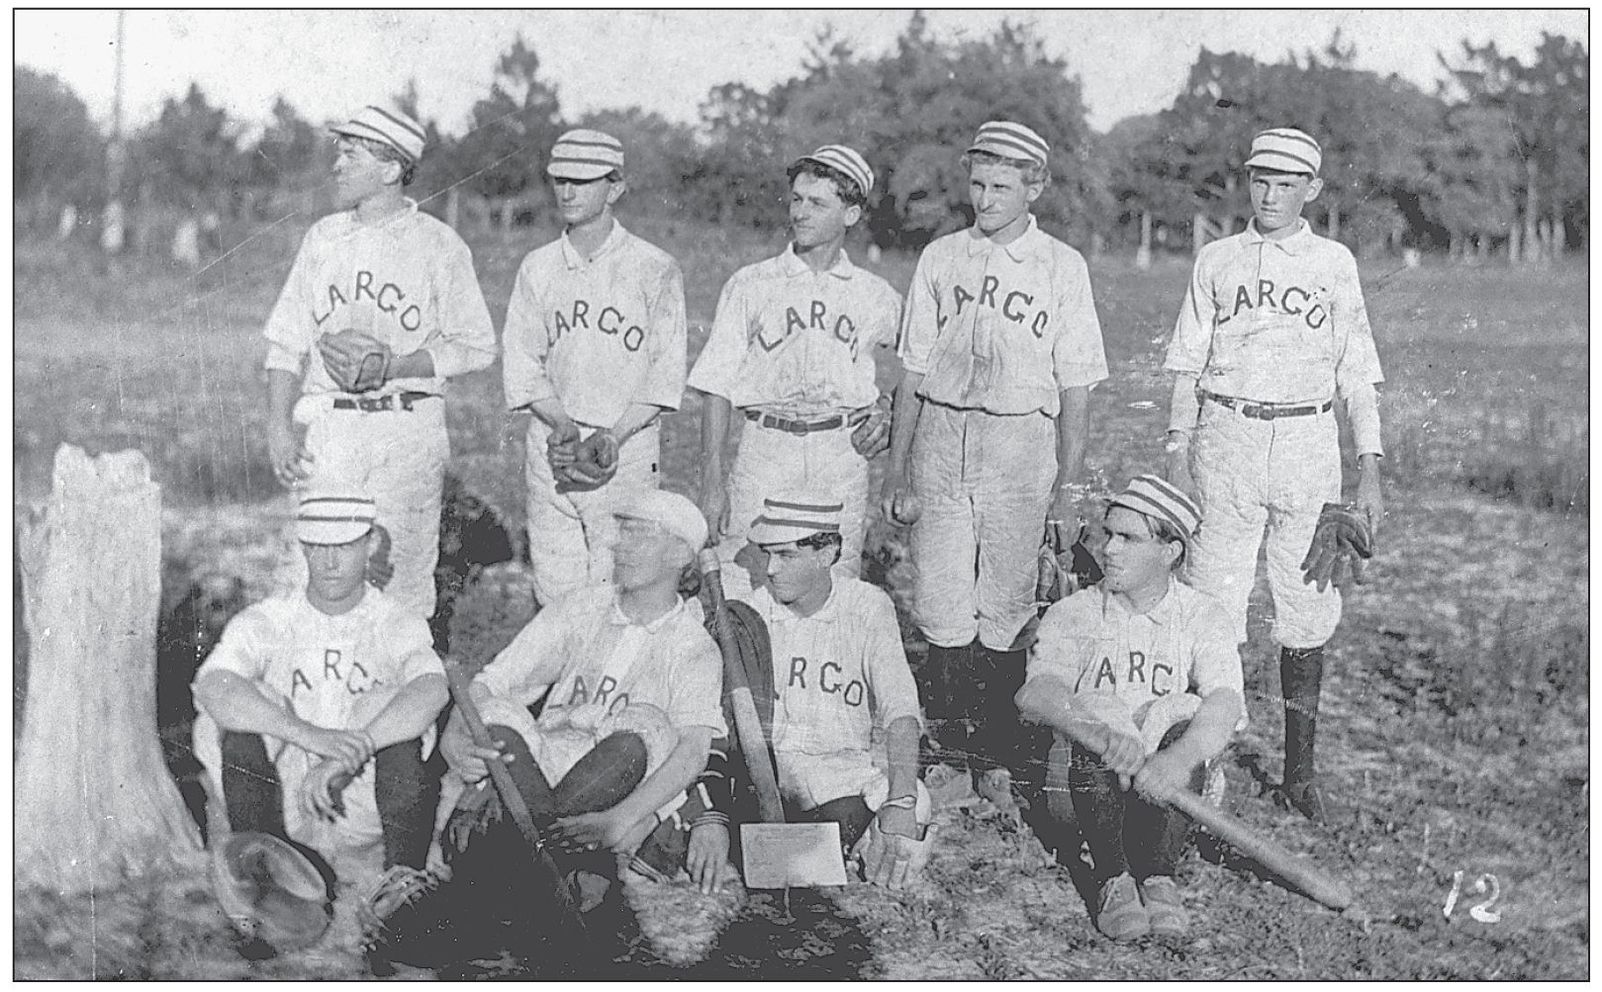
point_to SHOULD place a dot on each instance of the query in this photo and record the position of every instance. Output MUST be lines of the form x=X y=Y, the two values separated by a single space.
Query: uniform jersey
x=597 y=333
x=1001 y=328
x=582 y=651
x=797 y=343
x=406 y=281
x=323 y=665
x=1103 y=651
x=1277 y=321
x=838 y=672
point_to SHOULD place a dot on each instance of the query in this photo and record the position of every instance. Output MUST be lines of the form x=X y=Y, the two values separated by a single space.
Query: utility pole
x=112 y=227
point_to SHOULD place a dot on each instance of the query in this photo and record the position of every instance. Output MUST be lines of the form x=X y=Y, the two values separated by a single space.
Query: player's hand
x=286 y=447
x=322 y=791
x=561 y=447
x=355 y=361
x=464 y=757
x=899 y=504
x=1067 y=510
x=1177 y=468
x=603 y=831
x=351 y=748
x=1123 y=754
x=890 y=857
x=1162 y=776
x=872 y=437
x=1370 y=501
x=708 y=857
x=380 y=569
x=715 y=508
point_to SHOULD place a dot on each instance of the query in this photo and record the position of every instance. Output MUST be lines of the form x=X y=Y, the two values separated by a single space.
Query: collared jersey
x=791 y=341
x=838 y=672
x=597 y=333
x=1097 y=646
x=1001 y=328
x=1275 y=321
x=407 y=281
x=323 y=664
x=582 y=651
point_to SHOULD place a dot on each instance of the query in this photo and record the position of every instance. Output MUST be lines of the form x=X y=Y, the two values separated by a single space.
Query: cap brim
x=763 y=532
x=331 y=532
x=583 y=171
x=368 y=134
x=1278 y=163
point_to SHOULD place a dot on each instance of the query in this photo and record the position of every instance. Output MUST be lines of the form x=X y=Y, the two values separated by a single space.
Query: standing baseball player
x=1272 y=332
x=380 y=308
x=316 y=711
x=792 y=351
x=1140 y=679
x=595 y=349
x=1001 y=346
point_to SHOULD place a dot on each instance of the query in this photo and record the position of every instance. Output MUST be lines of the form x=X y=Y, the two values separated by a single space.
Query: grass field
x=1456 y=710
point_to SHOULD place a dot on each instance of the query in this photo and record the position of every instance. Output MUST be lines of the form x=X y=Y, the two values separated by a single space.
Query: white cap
x=334 y=519
x=790 y=518
x=391 y=127
x=675 y=514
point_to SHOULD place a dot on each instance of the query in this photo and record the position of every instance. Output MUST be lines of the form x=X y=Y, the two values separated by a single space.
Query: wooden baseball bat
x=747 y=724
x=511 y=797
x=1299 y=873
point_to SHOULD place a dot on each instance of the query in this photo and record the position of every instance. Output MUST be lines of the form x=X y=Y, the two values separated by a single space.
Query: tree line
x=1494 y=160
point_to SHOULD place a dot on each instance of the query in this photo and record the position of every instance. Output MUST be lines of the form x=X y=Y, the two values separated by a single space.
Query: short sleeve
x=466 y=340
x=920 y=318
x=290 y=330
x=242 y=649
x=1357 y=363
x=1192 y=340
x=414 y=649
x=1077 y=355
x=524 y=346
x=664 y=383
x=528 y=666
x=696 y=693
x=895 y=694
x=1214 y=655
x=718 y=366
x=1057 y=650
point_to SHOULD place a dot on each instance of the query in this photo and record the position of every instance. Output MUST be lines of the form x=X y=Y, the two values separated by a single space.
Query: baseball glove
x=270 y=891
x=872 y=436
x=1064 y=568
x=379 y=567
x=593 y=465
x=356 y=362
x=1342 y=544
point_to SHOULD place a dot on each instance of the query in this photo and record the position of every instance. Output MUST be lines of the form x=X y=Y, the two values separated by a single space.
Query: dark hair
x=385 y=152
x=849 y=192
x=823 y=539
x=1033 y=172
x=1165 y=531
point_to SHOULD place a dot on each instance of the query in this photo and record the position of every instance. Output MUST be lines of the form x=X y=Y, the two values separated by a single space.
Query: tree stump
x=94 y=803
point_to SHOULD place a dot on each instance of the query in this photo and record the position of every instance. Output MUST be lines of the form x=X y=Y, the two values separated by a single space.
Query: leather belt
x=804 y=426
x=379 y=403
x=1269 y=411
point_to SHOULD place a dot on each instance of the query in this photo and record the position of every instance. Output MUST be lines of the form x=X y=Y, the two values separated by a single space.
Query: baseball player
x=380 y=308
x=623 y=669
x=316 y=712
x=595 y=349
x=790 y=361
x=1272 y=332
x=1001 y=346
x=1140 y=679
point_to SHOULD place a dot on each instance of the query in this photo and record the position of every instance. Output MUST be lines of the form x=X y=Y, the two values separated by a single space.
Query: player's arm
x=411 y=712
x=465 y=341
x=716 y=370
x=1073 y=432
x=235 y=703
x=1186 y=357
x=636 y=417
x=525 y=382
x=290 y=461
x=1357 y=371
x=1169 y=770
x=663 y=385
x=522 y=673
x=717 y=414
x=1184 y=410
x=904 y=409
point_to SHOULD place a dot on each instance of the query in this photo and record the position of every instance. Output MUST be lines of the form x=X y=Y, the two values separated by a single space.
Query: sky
x=327 y=63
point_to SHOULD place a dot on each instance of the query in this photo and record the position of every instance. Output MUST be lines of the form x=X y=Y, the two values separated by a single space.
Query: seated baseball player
x=1140 y=678
x=631 y=688
x=316 y=712
x=839 y=671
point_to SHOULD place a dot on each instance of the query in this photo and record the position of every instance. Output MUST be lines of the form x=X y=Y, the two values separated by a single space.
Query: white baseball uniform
x=838 y=673
x=408 y=282
x=799 y=345
x=997 y=332
x=1279 y=322
x=597 y=333
x=1118 y=664
x=336 y=672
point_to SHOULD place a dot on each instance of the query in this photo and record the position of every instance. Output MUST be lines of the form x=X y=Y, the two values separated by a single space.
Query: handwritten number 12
x=1480 y=911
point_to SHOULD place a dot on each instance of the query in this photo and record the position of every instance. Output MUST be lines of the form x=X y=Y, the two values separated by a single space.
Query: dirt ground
x=1455 y=716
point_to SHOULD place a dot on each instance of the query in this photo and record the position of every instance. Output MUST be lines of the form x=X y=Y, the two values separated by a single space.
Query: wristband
x=901 y=802
x=1079 y=489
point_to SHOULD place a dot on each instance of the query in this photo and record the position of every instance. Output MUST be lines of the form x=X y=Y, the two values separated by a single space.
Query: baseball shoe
x=996 y=786
x=1164 y=906
x=1120 y=914
x=1305 y=798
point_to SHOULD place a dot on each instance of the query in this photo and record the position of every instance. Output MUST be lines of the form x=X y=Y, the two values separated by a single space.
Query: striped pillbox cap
x=391 y=127
x=847 y=161
x=1286 y=149
x=793 y=517
x=1153 y=496
x=334 y=519
x=1010 y=140
x=583 y=154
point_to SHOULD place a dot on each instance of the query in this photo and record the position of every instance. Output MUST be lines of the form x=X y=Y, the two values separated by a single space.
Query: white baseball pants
x=985 y=484
x=571 y=534
x=1255 y=473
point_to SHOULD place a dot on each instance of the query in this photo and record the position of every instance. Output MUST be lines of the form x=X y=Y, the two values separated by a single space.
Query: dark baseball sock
x=1000 y=735
x=252 y=794
x=407 y=793
x=1301 y=673
x=1099 y=808
x=1156 y=837
x=949 y=675
x=850 y=812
